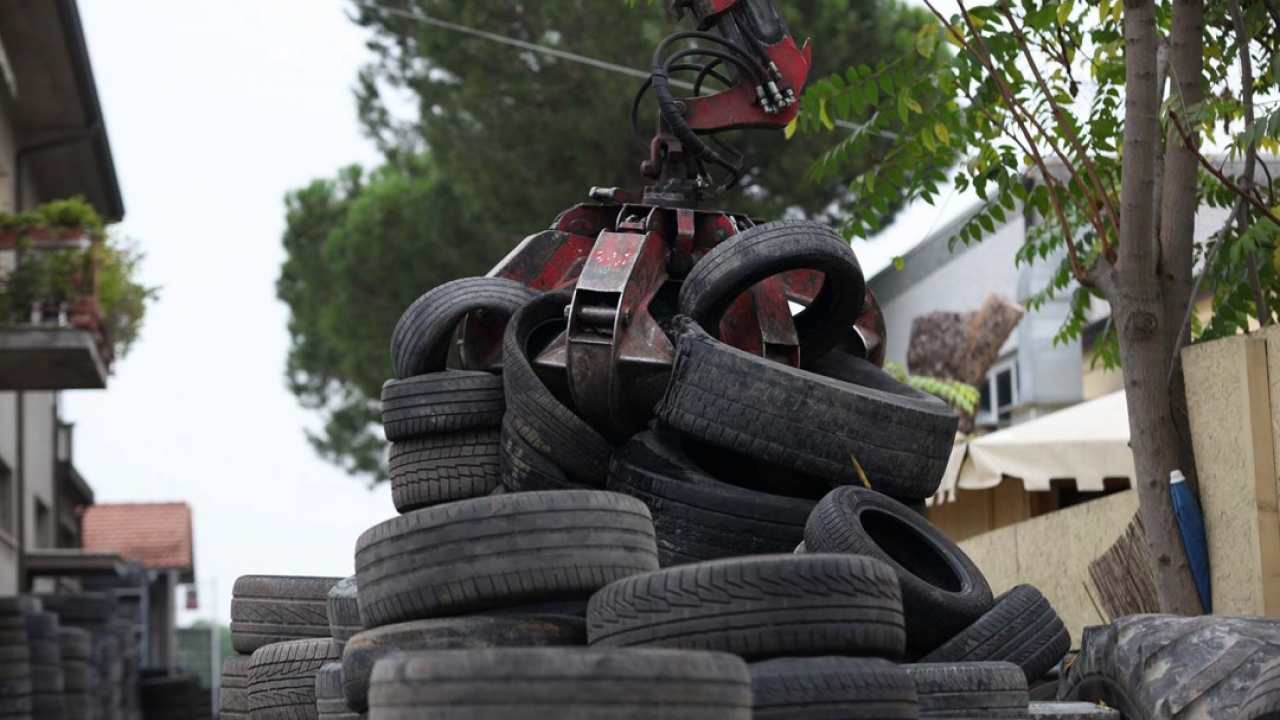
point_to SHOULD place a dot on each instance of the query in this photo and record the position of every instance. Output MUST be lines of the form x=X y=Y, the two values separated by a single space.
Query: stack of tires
x=78 y=682
x=443 y=424
x=541 y=569
x=48 y=686
x=93 y=612
x=15 y=661
x=174 y=697
x=280 y=632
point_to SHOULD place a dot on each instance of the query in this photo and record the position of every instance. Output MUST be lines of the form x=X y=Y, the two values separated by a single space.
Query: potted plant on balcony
x=59 y=268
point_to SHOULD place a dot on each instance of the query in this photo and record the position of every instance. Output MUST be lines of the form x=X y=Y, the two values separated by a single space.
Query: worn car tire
x=443 y=468
x=832 y=688
x=805 y=421
x=1022 y=628
x=282 y=678
x=233 y=696
x=446 y=401
x=738 y=263
x=970 y=691
x=1160 y=667
x=697 y=517
x=540 y=418
x=73 y=643
x=524 y=469
x=573 y=684
x=420 y=341
x=1263 y=700
x=268 y=609
x=757 y=607
x=463 y=633
x=330 y=703
x=498 y=551
x=943 y=592
x=343 y=605
x=82 y=609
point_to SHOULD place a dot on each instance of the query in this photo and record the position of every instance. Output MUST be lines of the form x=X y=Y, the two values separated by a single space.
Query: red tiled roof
x=157 y=534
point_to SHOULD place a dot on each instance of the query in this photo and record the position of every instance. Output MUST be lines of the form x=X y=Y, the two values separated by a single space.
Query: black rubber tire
x=943 y=592
x=73 y=643
x=804 y=421
x=498 y=551
x=44 y=651
x=970 y=691
x=1021 y=628
x=420 y=341
x=77 y=676
x=83 y=609
x=573 y=684
x=758 y=607
x=330 y=703
x=447 y=401
x=545 y=423
x=233 y=696
x=1263 y=700
x=1159 y=667
x=46 y=679
x=832 y=688
x=738 y=263
x=48 y=706
x=344 y=611
x=42 y=625
x=697 y=517
x=463 y=633
x=442 y=468
x=524 y=469
x=268 y=609
x=282 y=678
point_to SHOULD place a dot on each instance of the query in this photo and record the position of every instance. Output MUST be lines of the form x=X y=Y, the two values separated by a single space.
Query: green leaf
x=823 y=117
x=943 y=134
x=1064 y=11
x=899 y=264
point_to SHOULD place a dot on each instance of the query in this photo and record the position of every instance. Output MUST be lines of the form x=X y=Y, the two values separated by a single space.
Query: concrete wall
x=1053 y=553
x=1233 y=394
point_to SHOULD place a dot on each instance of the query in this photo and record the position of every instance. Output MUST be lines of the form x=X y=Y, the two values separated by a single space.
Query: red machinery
x=625 y=257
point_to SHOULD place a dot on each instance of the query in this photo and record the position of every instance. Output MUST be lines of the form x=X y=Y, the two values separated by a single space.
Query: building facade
x=53 y=145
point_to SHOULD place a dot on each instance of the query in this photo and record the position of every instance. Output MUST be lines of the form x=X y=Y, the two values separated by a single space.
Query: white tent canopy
x=1087 y=443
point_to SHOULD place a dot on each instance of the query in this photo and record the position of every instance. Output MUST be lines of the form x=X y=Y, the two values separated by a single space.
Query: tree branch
x=1064 y=123
x=983 y=57
x=1221 y=177
x=1243 y=41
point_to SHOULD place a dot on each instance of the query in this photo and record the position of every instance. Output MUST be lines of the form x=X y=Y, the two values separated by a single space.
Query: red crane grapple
x=625 y=258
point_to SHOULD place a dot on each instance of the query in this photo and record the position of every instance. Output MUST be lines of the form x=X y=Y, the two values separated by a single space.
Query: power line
x=513 y=42
x=558 y=53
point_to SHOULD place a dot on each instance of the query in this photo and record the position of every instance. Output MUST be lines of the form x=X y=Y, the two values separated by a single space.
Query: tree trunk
x=1178 y=207
x=1134 y=290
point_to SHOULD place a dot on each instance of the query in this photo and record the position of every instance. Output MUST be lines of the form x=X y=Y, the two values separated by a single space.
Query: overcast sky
x=215 y=109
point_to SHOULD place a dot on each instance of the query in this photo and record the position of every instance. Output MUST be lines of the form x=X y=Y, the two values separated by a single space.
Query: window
x=999 y=395
x=44 y=525
x=8 y=502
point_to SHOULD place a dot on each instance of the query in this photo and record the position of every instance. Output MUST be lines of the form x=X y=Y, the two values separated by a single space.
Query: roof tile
x=157 y=534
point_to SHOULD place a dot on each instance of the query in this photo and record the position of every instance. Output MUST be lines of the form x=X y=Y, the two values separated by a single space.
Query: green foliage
x=1029 y=114
x=72 y=214
x=502 y=141
x=107 y=267
x=962 y=396
x=360 y=249
x=122 y=299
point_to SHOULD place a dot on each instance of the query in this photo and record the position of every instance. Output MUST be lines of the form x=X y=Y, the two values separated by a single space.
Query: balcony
x=52 y=334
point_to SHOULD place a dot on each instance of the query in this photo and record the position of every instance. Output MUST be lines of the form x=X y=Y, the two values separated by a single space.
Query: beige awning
x=1087 y=443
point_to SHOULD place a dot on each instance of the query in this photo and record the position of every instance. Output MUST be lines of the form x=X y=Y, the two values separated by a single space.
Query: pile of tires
x=538 y=569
